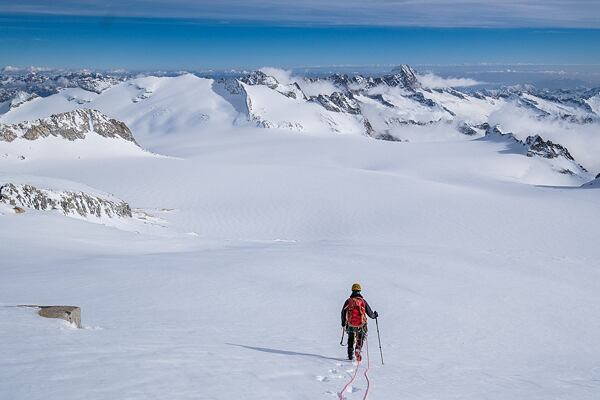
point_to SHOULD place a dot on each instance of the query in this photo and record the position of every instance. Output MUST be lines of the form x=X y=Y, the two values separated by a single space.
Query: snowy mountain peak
x=259 y=78
x=405 y=76
x=546 y=149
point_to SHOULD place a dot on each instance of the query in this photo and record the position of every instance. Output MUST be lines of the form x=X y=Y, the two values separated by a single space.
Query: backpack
x=356 y=315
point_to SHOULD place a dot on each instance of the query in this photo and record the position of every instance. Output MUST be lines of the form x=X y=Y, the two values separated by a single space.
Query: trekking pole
x=379 y=339
x=342 y=340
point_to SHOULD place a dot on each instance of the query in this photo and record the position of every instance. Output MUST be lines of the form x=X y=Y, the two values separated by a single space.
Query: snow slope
x=153 y=108
x=486 y=288
x=271 y=109
x=483 y=270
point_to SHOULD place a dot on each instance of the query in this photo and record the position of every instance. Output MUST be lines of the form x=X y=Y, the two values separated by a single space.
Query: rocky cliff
x=72 y=125
x=70 y=203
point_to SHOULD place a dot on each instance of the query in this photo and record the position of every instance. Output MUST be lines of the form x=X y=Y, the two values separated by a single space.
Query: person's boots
x=358 y=356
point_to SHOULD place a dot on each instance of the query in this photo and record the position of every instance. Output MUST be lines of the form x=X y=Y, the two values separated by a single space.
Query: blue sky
x=184 y=34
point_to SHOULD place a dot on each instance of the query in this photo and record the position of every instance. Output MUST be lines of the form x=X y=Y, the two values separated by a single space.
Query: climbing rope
x=341 y=394
x=367 y=371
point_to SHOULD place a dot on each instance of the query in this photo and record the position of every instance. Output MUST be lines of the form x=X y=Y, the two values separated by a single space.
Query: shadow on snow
x=284 y=352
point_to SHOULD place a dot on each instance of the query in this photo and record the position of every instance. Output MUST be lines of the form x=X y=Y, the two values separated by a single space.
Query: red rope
x=341 y=394
x=367 y=372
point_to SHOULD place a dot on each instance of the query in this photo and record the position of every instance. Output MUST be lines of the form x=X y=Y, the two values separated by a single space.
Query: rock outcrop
x=403 y=76
x=339 y=102
x=259 y=78
x=466 y=129
x=536 y=146
x=70 y=314
x=21 y=97
x=70 y=203
x=72 y=125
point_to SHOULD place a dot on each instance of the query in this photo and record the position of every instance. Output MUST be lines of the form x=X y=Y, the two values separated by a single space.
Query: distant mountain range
x=398 y=106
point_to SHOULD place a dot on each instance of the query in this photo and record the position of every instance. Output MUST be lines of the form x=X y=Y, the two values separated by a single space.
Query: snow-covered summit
x=403 y=75
x=393 y=106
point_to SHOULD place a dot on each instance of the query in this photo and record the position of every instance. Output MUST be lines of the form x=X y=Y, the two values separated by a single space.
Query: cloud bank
x=428 y=13
x=436 y=82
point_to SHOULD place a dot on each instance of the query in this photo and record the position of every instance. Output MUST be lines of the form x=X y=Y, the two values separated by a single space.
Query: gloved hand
x=375 y=314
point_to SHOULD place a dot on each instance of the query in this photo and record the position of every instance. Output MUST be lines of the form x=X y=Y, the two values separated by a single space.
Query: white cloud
x=316 y=88
x=434 y=81
x=10 y=68
x=582 y=141
x=283 y=76
x=437 y=13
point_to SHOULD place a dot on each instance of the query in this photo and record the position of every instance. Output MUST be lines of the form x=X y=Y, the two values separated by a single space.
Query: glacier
x=256 y=202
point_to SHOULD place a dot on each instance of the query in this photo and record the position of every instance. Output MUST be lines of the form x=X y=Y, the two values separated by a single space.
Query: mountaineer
x=354 y=320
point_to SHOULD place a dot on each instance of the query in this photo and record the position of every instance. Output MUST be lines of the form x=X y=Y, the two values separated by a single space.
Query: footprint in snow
x=335 y=374
x=322 y=378
x=352 y=389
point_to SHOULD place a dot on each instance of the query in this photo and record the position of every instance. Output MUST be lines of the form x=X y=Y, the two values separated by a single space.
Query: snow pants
x=355 y=335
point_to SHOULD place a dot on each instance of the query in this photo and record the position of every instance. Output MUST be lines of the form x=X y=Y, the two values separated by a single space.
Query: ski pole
x=342 y=340
x=379 y=339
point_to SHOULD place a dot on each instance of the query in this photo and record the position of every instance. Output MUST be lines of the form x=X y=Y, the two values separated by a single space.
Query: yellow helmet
x=356 y=287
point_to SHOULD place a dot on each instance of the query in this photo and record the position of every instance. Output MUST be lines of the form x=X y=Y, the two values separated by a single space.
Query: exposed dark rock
x=339 y=102
x=7 y=133
x=388 y=137
x=340 y=80
x=565 y=171
x=449 y=111
x=69 y=202
x=68 y=313
x=577 y=119
x=295 y=92
x=456 y=93
x=419 y=98
x=366 y=82
x=493 y=130
x=404 y=76
x=259 y=78
x=395 y=121
x=546 y=149
x=485 y=126
x=70 y=125
x=231 y=85
x=466 y=129
x=368 y=128
x=380 y=99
